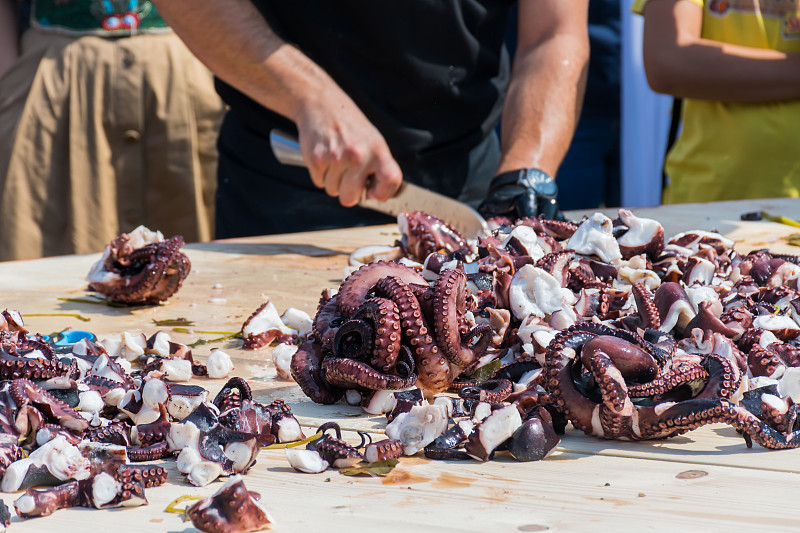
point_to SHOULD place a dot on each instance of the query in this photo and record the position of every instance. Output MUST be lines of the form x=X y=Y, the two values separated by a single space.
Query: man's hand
x=522 y=193
x=345 y=153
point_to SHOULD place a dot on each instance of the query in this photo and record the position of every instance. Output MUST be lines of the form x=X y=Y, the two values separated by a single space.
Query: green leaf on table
x=73 y=315
x=200 y=342
x=170 y=322
x=780 y=219
x=376 y=469
x=485 y=372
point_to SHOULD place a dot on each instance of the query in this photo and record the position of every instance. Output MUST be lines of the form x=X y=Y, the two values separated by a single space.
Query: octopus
x=424 y=234
x=602 y=323
x=387 y=328
x=140 y=268
x=232 y=509
x=591 y=371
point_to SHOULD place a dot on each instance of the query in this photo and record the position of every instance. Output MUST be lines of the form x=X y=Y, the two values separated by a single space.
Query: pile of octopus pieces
x=77 y=422
x=140 y=268
x=600 y=323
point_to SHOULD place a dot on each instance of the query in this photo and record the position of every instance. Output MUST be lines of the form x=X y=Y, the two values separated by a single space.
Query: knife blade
x=409 y=197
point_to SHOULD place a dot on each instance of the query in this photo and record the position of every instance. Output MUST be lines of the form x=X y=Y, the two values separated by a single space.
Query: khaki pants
x=98 y=136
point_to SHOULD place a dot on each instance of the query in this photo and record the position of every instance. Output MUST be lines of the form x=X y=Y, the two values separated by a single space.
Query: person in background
x=107 y=121
x=591 y=168
x=380 y=92
x=736 y=66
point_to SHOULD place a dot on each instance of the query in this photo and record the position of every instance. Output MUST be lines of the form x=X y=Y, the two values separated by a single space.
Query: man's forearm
x=339 y=144
x=9 y=35
x=545 y=93
x=678 y=61
x=235 y=42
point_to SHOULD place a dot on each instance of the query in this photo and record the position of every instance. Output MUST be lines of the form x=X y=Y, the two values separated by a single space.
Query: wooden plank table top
x=706 y=480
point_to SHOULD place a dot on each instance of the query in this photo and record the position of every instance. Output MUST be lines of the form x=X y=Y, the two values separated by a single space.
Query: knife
x=409 y=197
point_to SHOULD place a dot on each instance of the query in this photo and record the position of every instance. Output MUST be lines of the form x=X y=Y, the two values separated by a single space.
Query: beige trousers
x=98 y=136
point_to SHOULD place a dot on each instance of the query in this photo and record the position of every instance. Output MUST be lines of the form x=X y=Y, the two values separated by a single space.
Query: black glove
x=528 y=192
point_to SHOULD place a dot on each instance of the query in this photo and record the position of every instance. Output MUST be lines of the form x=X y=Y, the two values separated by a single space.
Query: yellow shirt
x=734 y=151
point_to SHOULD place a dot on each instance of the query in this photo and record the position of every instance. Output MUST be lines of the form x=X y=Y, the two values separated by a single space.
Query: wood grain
x=706 y=480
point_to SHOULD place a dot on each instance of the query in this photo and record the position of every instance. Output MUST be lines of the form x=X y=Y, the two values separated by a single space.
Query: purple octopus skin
x=233 y=509
x=354 y=289
x=156 y=431
x=674 y=308
x=616 y=419
x=706 y=321
x=450 y=305
x=10 y=451
x=334 y=450
x=383 y=450
x=535 y=439
x=434 y=370
x=643 y=236
x=24 y=391
x=305 y=368
x=646 y=307
x=558 y=229
x=491 y=390
x=14 y=345
x=142 y=276
x=424 y=234
x=45 y=502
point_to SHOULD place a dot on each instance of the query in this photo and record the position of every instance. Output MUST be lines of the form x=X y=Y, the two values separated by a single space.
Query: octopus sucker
x=450 y=305
x=434 y=370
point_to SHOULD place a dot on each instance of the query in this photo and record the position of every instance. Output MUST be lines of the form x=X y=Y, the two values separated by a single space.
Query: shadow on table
x=287 y=248
x=711 y=445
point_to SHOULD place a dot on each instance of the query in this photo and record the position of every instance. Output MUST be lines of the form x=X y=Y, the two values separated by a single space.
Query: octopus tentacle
x=146 y=275
x=24 y=391
x=424 y=234
x=558 y=229
x=148 y=475
x=491 y=390
x=682 y=375
x=435 y=374
x=114 y=433
x=354 y=339
x=724 y=377
x=691 y=414
x=646 y=307
x=305 y=368
x=237 y=384
x=155 y=451
x=326 y=313
x=355 y=288
x=385 y=315
x=349 y=373
x=449 y=305
x=155 y=431
x=13 y=363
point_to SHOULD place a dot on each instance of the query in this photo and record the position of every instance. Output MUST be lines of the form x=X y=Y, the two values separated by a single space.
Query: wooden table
x=706 y=480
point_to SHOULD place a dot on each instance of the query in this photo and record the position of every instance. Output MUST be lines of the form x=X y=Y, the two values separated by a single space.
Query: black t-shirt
x=605 y=38
x=429 y=74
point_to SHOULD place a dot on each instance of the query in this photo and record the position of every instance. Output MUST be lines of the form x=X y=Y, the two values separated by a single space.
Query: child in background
x=736 y=65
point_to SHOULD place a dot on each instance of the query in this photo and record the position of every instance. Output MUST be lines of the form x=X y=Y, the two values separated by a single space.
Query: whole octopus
x=602 y=323
x=140 y=268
